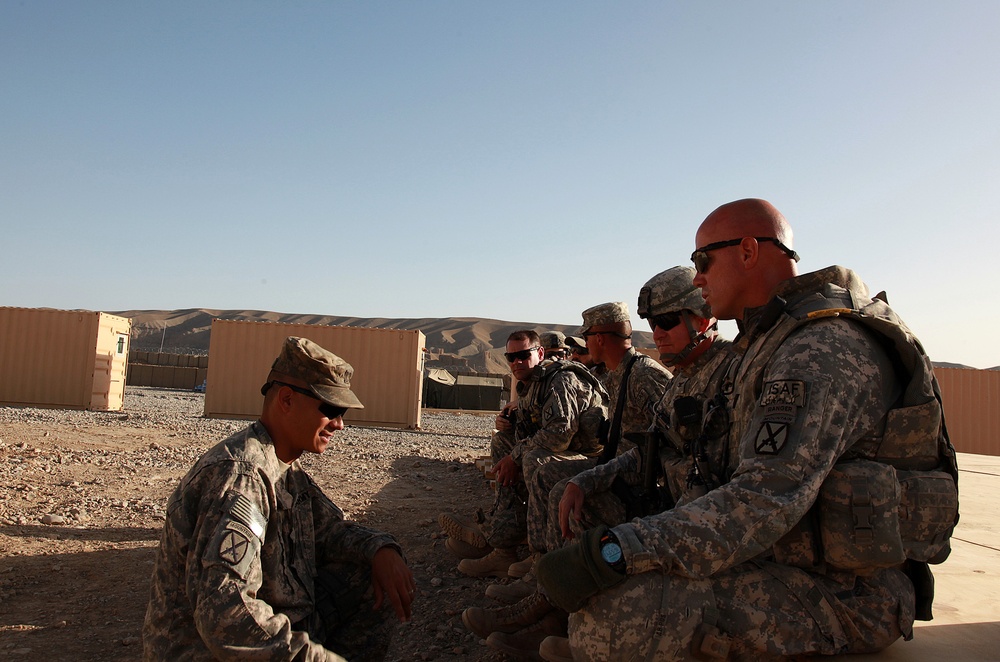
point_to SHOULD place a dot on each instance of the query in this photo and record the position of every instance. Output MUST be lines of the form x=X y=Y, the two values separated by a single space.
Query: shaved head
x=743 y=274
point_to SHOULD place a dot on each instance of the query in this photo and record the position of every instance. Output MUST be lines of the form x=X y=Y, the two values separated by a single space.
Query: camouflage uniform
x=731 y=574
x=255 y=561
x=559 y=412
x=647 y=383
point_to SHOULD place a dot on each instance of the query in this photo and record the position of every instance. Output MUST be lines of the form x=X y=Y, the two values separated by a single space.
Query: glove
x=577 y=571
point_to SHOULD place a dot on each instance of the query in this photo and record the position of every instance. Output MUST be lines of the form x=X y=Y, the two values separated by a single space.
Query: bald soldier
x=803 y=548
x=255 y=562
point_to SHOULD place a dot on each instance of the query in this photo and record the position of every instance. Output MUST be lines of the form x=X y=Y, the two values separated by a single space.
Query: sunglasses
x=702 y=260
x=325 y=408
x=665 y=322
x=522 y=355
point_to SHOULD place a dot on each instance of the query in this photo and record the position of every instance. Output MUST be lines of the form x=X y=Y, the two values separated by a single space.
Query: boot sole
x=461 y=531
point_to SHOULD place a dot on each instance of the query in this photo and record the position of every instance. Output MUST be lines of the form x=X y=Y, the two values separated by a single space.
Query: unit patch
x=783 y=392
x=235 y=543
x=771 y=438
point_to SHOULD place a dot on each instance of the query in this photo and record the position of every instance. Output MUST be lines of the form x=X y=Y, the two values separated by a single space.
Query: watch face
x=611 y=553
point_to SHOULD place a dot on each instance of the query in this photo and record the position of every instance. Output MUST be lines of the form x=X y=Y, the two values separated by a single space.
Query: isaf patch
x=771 y=438
x=787 y=392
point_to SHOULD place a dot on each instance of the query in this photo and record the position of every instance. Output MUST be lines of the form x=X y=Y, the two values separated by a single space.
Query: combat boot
x=507 y=619
x=494 y=564
x=555 y=649
x=508 y=594
x=464 y=550
x=525 y=643
x=521 y=568
x=462 y=530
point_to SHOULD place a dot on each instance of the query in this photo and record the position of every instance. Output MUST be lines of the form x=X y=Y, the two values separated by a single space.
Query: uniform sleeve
x=826 y=386
x=224 y=576
x=560 y=416
x=338 y=539
x=599 y=478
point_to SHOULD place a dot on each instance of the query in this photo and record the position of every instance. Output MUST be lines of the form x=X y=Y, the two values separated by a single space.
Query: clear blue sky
x=516 y=160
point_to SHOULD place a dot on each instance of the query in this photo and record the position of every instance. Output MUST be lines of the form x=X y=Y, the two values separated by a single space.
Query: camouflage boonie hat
x=672 y=291
x=576 y=342
x=606 y=313
x=327 y=375
x=553 y=340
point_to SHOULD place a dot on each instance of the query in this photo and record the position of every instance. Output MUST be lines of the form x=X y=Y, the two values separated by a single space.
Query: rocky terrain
x=82 y=496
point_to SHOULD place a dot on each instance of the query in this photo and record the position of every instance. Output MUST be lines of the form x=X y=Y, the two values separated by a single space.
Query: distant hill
x=464 y=343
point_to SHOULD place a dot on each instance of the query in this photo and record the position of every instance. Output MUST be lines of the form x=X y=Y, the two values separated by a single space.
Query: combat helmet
x=673 y=291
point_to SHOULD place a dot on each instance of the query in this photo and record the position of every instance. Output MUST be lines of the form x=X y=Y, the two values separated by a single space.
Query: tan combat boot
x=464 y=550
x=525 y=643
x=508 y=619
x=494 y=564
x=508 y=594
x=555 y=649
x=521 y=568
x=462 y=530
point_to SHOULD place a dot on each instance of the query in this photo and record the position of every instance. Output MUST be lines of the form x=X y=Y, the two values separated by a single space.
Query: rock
x=53 y=519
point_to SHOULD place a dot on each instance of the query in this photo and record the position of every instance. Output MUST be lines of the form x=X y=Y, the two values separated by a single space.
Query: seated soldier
x=255 y=562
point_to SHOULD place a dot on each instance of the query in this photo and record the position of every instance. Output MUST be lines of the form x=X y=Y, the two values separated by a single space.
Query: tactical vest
x=537 y=389
x=892 y=498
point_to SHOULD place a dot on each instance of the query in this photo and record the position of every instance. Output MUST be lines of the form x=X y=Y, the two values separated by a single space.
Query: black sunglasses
x=522 y=355
x=665 y=322
x=702 y=261
x=325 y=408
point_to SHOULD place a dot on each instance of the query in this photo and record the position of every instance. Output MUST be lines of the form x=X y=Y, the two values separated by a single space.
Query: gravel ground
x=81 y=507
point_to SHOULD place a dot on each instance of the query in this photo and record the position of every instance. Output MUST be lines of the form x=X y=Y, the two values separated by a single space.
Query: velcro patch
x=771 y=438
x=235 y=543
x=245 y=512
x=783 y=392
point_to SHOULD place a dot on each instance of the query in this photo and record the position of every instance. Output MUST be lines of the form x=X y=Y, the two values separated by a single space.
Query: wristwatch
x=611 y=552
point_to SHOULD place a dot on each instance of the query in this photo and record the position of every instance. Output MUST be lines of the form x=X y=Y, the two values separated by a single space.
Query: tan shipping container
x=387 y=363
x=972 y=408
x=70 y=359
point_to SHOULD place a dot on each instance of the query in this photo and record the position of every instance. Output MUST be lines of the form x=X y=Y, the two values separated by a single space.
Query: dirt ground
x=81 y=509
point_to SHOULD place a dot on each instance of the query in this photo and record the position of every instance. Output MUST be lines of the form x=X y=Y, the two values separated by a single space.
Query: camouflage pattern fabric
x=245 y=538
x=646 y=384
x=796 y=408
x=700 y=379
x=558 y=415
x=540 y=487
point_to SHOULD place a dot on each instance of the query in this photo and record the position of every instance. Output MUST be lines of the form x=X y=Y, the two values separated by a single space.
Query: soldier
x=559 y=410
x=635 y=384
x=578 y=351
x=554 y=344
x=803 y=547
x=254 y=560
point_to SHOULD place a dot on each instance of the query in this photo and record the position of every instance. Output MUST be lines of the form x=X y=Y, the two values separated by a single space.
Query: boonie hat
x=553 y=340
x=577 y=343
x=327 y=375
x=606 y=313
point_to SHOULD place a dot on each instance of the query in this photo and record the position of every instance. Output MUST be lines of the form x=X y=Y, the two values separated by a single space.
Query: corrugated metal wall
x=387 y=368
x=48 y=357
x=971 y=408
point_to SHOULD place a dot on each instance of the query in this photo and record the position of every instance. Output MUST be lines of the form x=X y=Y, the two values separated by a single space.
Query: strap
x=614 y=436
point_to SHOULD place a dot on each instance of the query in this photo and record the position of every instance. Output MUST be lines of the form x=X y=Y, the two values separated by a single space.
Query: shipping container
x=69 y=359
x=387 y=364
x=972 y=408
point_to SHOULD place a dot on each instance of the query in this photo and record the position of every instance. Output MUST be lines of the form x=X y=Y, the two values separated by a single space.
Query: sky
x=519 y=161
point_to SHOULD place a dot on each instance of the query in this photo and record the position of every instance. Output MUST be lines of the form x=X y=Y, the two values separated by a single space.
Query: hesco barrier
x=388 y=365
x=971 y=408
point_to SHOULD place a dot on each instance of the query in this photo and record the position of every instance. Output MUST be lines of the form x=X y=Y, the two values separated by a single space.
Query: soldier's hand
x=571 y=505
x=506 y=471
x=393 y=580
x=502 y=421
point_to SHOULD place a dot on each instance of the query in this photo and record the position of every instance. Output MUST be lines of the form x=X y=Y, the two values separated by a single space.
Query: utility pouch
x=928 y=510
x=910 y=440
x=859 y=515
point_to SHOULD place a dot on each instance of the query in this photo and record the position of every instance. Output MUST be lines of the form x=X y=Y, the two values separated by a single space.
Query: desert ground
x=82 y=496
